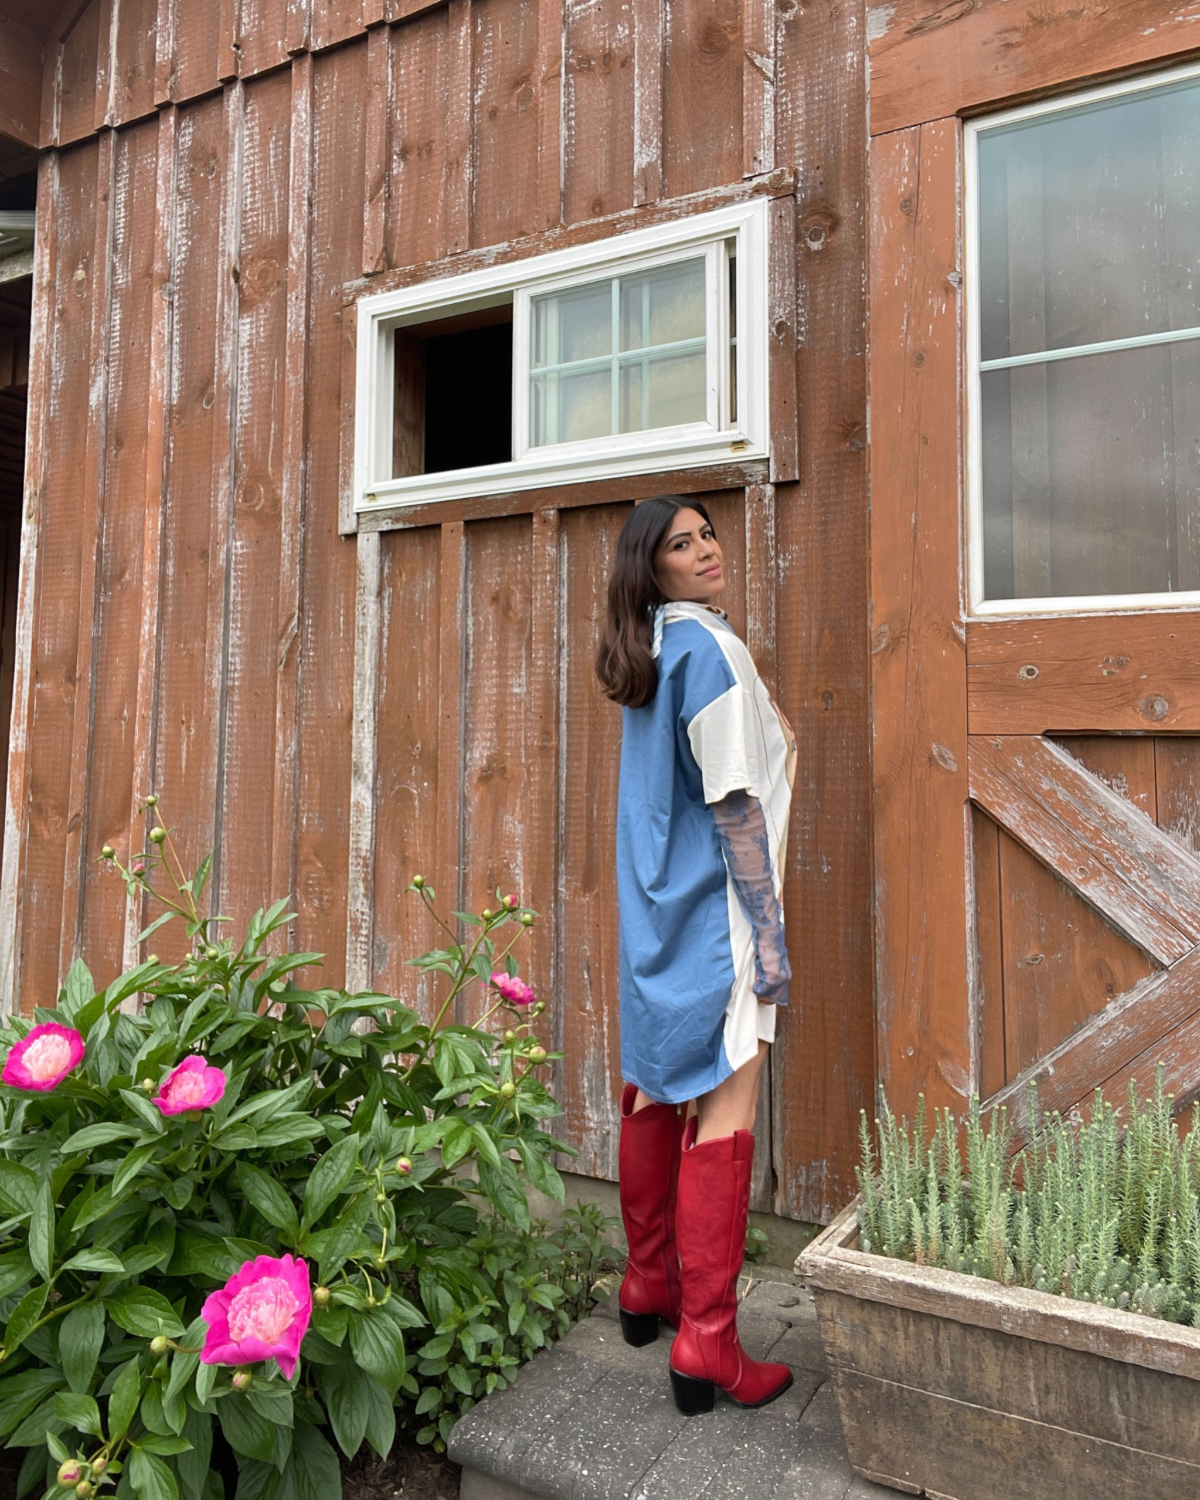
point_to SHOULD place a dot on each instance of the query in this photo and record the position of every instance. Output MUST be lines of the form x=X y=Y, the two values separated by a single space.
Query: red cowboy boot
x=710 y=1224
x=649 y=1165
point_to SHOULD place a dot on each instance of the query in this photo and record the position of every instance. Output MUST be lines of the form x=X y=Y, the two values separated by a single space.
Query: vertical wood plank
x=457 y=184
x=923 y=965
x=544 y=819
x=598 y=107
x=649 y=31
x=259 y=452
x=360 y=891
x=504 y=131
x=377 y=153
x=327 y=586
x=1177 y=787
x=79 y=67
x=159 y=386
x=293 y=490
x=758 y=86
x=133 y=82
x=263 y=39
x=702 y=95
x=452 y=588
x=18 y=786
x=549 y=104
x=199 y=56
x=418 y=229
x=408 y=734
x=120 y=563
x=783 y=340
x=89 y=518
x=823 y=1064
x=587 y=1014
x=164 y=52
x=104 y=84
x=989 y=940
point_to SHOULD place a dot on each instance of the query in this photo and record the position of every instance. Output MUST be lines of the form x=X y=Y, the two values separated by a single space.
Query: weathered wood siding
x=219 y=182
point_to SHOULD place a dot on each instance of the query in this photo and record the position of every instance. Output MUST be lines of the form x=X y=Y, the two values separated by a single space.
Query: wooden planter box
x=961 y=1389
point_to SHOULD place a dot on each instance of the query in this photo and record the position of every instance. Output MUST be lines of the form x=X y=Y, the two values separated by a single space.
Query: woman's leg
x=732 y=1104
x=712 y=1208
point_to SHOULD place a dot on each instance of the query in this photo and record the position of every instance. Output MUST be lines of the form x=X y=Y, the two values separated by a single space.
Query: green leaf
x=18 y=1187
x=125 y=1397
x=23 y=1317
x=92 y=1136
x=131 y=1167
x=193 y=1466
x=165 y=1444
x=16 y=1270
x=41 y=1232
x=329 y=1178
x=245 y=1430
x=313 y=1468
x=94 y=1260
x=381 y=1419
x=270 y=1199
x=540 y=1171
x=457 y=1143
x=503 y=1191
x=143 y=1313
x=235 y=1138
x=183 y=1367
x=78 y=991
x=150 y=1477
x=343 y=1237
x=141 y=1105
x=344 y=1389
x=274 y=1402
x=78 y=1411
x=80 y=1339
x=378 y=1345
x=285 y=1132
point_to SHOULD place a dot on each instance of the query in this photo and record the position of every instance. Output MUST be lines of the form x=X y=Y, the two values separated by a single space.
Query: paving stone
x=593 y=1419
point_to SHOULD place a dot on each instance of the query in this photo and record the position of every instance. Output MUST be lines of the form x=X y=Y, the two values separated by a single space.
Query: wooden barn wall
x=215 y=177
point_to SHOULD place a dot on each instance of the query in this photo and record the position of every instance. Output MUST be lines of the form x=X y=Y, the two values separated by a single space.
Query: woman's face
x=687 y=562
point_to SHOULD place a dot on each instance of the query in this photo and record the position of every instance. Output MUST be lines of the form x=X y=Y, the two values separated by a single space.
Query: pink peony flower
x=262 y=1312
x=192 y=1085
x=514 y=990
x=44 y=1058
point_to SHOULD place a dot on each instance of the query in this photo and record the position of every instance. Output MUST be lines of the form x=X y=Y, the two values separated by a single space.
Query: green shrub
x=1106 y=1211
x=340 y=1129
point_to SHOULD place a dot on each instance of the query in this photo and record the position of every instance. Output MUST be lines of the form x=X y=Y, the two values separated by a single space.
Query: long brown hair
x=625 y=662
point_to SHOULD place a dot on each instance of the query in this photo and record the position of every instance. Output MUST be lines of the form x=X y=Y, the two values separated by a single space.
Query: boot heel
x=692 y=1396
x=639 y=1328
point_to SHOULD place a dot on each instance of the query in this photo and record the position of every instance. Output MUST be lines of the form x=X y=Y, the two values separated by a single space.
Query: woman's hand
x=742 y=831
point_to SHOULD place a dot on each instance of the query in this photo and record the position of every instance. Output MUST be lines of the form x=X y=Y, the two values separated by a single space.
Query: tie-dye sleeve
x=742 y=831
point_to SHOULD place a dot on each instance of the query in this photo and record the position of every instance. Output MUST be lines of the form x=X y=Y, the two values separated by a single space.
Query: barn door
x=1035 y=391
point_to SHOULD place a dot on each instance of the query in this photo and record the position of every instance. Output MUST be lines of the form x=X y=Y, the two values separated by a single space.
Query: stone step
x=593 y=1419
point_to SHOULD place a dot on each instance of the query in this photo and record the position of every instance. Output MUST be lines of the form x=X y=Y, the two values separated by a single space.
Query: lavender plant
x=1104 y=1211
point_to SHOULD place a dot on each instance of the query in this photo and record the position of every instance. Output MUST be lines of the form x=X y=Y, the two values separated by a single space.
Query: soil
x=408 y=1473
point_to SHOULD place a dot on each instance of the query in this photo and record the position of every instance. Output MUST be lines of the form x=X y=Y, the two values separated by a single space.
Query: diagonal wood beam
x=1157 y=1020
x=1106 y=849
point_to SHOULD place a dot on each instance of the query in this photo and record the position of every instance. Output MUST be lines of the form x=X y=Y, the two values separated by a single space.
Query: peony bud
x=157 y=835
x=510 y=1036
x=99 y=1465
x=243 y=1380
x=84 y=1490
x=381 y=1198
x=159 y=1345
x=69 y=1473
x=510 y=902
x=507 y=1090
x=527 y=919
x=148 y=1085
x=321 y=1296
x=539 y=1007
x=403 y=1165
x=138 y=867
x=151 y=800
x=537 y=1055
x=487 y=914
x=108 y=852
x=418 y=882
x=212 y=953
x=151 y=958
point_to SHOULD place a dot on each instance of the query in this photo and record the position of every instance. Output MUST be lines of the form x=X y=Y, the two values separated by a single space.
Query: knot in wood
x=1154 y=707
x=1029 y=672
x=944 y=757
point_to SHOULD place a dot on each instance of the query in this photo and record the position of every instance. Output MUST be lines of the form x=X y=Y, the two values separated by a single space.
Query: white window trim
x=1073 y=604
x=602 y=458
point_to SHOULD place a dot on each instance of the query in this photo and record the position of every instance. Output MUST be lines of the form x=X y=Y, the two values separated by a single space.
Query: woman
x=706 y=770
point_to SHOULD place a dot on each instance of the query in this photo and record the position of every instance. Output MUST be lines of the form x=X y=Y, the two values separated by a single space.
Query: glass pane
x=574 y=325
x=1091 y=475
x=666 y=391
x=567 y=408
x=663 y=306
x=1089 y=223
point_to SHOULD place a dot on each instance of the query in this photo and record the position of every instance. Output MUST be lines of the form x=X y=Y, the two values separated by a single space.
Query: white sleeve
x=722 y=741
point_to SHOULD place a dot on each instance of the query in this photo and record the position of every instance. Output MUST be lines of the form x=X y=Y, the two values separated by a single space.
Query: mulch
x=408 y=1473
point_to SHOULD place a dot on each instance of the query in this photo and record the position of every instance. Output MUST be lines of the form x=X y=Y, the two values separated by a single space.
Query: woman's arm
x=742 y=830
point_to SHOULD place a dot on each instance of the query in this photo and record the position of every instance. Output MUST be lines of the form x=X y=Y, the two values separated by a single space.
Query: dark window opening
x=453 y=396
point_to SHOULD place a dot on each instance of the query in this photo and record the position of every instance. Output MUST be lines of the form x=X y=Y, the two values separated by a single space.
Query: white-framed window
x=638 y=353
x=1083 y=350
